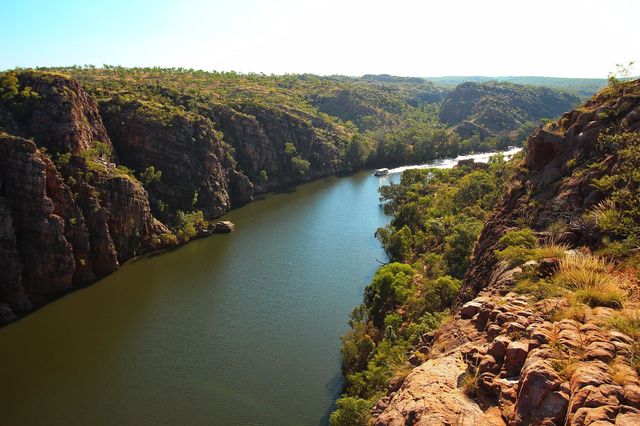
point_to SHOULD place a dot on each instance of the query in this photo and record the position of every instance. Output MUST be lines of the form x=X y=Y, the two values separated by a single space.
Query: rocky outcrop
x=534 y=361
x=528 y=370
x=430 y=395
x=545 y=191
x=66 y=223
x=54 y=110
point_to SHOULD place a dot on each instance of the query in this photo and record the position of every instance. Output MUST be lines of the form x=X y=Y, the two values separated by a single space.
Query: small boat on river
x=381 y=172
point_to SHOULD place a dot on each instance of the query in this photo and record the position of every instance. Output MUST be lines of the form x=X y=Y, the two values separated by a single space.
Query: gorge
x=243 y=328
x=100 y=166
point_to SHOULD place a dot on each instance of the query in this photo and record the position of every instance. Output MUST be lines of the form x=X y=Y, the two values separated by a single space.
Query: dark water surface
x=237 y=329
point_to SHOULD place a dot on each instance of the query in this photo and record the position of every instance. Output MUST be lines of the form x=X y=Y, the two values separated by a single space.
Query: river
x=236 y=329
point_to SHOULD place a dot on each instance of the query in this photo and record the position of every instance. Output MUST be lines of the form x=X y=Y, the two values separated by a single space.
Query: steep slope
x=557 y=183
x=532 y=358
x=70 y=213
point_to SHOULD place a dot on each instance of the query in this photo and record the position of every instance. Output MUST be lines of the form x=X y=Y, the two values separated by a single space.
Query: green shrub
x=540 y=289
x=519 y=238
x=389 y=359
x=459 y=246
x=393 y=321
x=351 y=412
x=441 y=293
x=356 y=349
x=474 y=187
x=389 y=288
x=187 y=225
x=619 y=214
x=150 y=175
x=396 y=243
x=426 y=323
x=168 y=239
x=515 y=255
x=9 y=86
x=300 y=166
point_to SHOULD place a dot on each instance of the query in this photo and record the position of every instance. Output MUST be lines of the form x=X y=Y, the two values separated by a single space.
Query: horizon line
x=249 y=73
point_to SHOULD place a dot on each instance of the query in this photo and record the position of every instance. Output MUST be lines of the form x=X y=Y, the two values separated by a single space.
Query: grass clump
x=590 y=279
x=519 y=255
x=551 y=250
x=565 y=367
x=469 y=383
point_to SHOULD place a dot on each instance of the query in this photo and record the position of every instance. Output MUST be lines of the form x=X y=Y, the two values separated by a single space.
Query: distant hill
x=583 y=87
x=493 y=108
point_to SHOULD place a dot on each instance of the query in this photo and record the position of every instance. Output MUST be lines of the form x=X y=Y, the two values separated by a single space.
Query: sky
x=560 y=38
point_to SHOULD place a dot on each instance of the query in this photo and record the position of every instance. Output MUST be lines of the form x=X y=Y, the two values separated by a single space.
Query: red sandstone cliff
x=70 y=212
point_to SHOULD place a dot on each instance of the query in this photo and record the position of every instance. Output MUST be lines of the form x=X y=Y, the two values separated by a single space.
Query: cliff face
x=536 y=358
x=259 y=135
x=547 y=189
x=66 y=222
x=197 y=168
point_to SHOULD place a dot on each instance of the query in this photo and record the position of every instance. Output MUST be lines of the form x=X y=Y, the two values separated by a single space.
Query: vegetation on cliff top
x=397 y=119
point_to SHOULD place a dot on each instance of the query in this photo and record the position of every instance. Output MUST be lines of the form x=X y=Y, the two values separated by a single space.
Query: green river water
x=236 y=329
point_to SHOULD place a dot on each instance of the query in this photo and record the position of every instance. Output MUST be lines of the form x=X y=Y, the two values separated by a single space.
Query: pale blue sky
x=567 y=38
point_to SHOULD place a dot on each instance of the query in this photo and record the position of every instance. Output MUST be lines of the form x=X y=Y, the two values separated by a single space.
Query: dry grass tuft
x=469 y=383
x=591 y=280
x=551 y=250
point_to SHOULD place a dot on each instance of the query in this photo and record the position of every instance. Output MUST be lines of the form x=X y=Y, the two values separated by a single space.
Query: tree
x=389 y=288
x=356 y=152
x=441 y=293
x=150 y=175
x=300 y=166
x=350 y=412
x=9 y=86
x=621 y=75
x=474 y=187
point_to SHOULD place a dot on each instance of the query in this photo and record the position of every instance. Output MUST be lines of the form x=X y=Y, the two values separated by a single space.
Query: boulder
x=498 y=348
x=469 y=309
x=593 y=373
x=431 y=395
x=538 y=382
x=224 y=227
x=515 y=356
